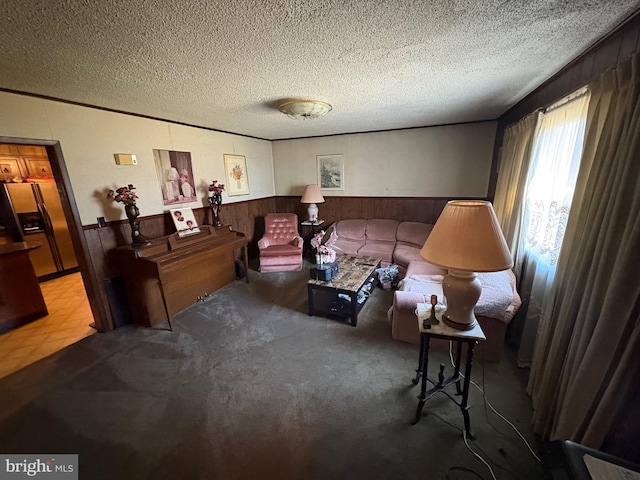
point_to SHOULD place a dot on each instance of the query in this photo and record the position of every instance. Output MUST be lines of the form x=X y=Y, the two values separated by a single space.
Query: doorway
x=73 y=311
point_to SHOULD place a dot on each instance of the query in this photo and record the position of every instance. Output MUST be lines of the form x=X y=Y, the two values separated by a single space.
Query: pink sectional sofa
x=392 y=241
x=400 y=243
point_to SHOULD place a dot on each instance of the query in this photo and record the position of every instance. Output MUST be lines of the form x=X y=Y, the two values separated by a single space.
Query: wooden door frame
x=101 y=316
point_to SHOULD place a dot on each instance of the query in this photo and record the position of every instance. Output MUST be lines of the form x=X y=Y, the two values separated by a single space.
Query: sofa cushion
x=281 y=250
x=413 y=233
x=383 y=250
x=281 y=263
x=345 y=246
x=381 y=230
x=351 y=236
x=351 y=230
x=405 y=254
x=425 y=268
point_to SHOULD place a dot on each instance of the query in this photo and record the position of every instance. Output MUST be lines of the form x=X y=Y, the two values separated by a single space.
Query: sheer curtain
x=586 y=366
x=553 y=170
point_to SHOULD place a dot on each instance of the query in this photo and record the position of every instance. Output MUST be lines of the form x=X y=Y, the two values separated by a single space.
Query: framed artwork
x=175 y=176
x=235 y=168
x=184 y=221
x=331 y=172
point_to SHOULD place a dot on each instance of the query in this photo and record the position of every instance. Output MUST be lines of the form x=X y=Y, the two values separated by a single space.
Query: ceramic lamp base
x=462 y=291
x=312 y=211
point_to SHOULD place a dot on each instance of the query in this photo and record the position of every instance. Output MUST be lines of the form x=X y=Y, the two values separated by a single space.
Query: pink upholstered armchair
x=281 y=246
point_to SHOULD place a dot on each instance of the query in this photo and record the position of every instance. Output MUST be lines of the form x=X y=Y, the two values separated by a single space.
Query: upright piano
x=173 y=272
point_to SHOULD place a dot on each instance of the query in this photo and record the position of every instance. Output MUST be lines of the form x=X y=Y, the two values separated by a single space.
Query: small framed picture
x=331 y=172
x=235 y=168
x=184 y=221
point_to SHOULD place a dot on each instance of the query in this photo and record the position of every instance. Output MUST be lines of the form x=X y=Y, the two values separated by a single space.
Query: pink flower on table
x=124 y=195
x=325 y=249
x=216 y=188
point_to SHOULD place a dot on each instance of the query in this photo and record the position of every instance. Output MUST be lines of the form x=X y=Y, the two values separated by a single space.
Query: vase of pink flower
x=127 y=196
x=324 y=243
x=215 y=202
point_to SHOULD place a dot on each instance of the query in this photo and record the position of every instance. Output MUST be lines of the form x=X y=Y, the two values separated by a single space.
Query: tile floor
x=68 y=321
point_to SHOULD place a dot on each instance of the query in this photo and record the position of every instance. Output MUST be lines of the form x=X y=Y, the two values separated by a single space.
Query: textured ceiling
x=227 y=64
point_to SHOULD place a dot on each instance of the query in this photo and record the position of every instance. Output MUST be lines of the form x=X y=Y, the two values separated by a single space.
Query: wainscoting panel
x=248 y=218
x=403 y=209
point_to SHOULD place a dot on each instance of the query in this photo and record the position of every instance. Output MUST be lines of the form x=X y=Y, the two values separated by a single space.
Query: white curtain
x=555 y=161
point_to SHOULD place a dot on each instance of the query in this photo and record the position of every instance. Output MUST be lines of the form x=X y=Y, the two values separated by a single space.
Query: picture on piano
x=184 y=221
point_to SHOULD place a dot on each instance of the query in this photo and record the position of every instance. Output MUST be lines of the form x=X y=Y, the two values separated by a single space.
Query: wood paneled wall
x=605 y=55
x=403 y=209
x=248 y=218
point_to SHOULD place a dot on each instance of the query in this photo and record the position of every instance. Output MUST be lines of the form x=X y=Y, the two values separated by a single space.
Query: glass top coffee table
x=345 y=294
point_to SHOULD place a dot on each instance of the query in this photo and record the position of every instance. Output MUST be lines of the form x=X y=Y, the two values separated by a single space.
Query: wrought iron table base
x=461 y=396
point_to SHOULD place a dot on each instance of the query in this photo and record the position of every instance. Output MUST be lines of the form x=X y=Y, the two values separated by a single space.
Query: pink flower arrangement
x=124 y=195
x=216 y=188
x=325 y=249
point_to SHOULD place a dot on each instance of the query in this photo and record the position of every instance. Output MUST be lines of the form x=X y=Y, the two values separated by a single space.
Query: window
x=555 y=160
x=553 y=170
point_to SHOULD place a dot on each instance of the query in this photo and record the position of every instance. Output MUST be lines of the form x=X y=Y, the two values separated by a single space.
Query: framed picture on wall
x=175 y=176
x=184 y=221
x=331 y=172
x=235 y=168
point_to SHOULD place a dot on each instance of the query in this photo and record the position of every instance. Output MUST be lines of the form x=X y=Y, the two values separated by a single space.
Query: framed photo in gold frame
x=235 y=168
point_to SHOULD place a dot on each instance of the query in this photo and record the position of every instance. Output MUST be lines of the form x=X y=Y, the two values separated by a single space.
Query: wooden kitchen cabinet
x=21 y=299
x=31 y=151
x=6 y=149
x=38 y=167
x=12 y=167
x=23 y=161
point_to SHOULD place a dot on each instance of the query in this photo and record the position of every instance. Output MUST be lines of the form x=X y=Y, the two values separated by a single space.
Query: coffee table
x=345 y=294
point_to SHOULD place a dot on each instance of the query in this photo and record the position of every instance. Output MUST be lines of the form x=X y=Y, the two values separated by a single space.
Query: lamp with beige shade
x=312 y=195
x=466 y=239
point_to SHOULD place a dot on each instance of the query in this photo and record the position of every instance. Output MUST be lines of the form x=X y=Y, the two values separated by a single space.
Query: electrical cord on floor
x=464 y=434
x=464 y=437
x=496 y=464
x=484 y=395
x=486 y=402
x=462 y=469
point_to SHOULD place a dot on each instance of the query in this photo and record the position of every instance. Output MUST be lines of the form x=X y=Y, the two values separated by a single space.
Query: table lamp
x=312 y=195
x=466 y=239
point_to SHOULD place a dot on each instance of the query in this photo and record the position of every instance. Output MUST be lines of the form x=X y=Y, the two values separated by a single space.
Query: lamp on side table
x=312 y=195
x=466 y=239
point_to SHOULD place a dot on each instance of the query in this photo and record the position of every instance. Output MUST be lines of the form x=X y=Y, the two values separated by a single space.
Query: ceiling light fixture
x=305 y=109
